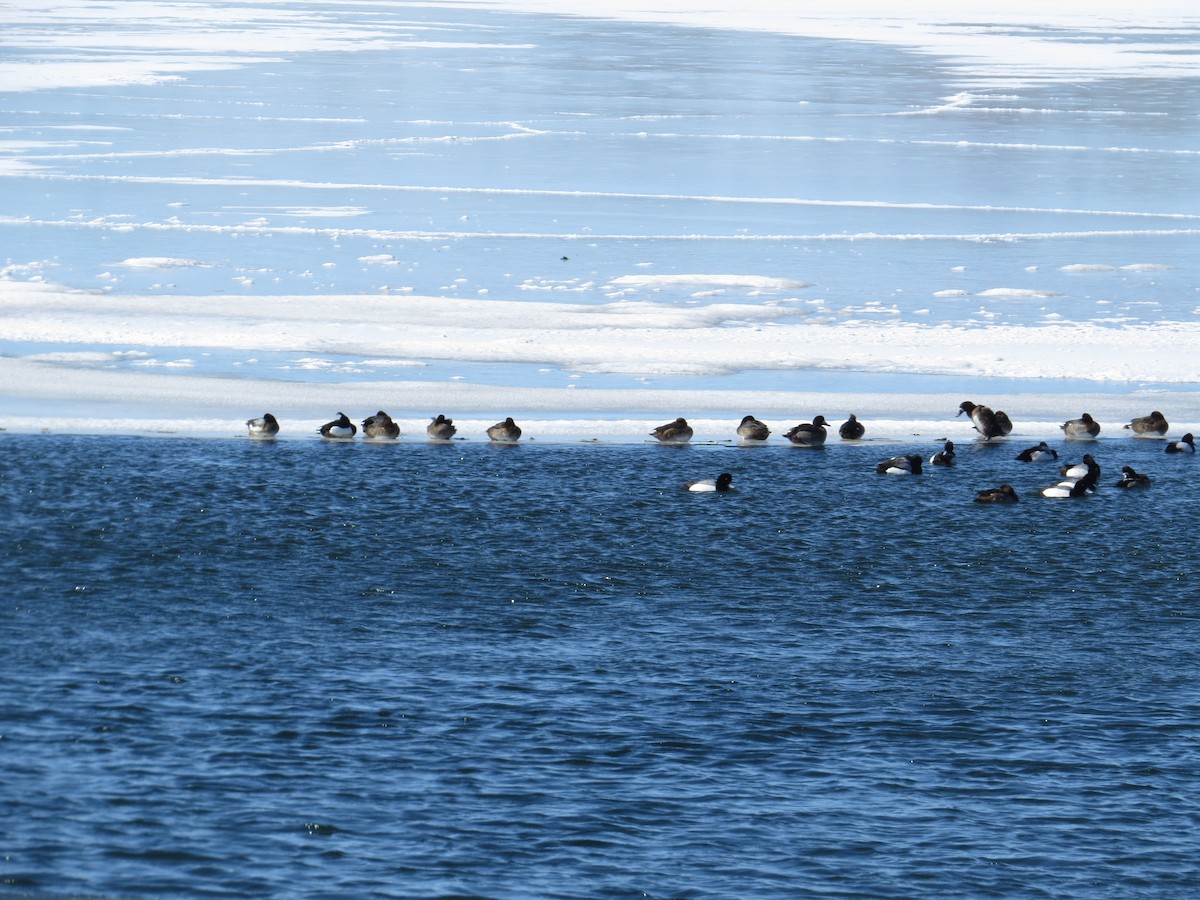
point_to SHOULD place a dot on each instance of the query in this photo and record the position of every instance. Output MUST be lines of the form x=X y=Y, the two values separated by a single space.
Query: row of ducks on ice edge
x=990 y=424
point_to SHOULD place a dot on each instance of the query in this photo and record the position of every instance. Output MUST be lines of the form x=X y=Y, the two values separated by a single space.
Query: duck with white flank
x=852 y=429
x=1002 y=494
x=263 y=428
x=1151 y=424
x=677 y=432
x=900 y=465
x=380 y=427
x=1037 y=454
x=1186 y=444
x=339 y=428
x=1079 y=479
x=808 y=434
x=987 y=423
x=441 y=428
x=1132 y=479
x=1074 y=471
x=720 y=484
x=945 y=456
x=1085 y=428
x=751 y=429
x=506 y=432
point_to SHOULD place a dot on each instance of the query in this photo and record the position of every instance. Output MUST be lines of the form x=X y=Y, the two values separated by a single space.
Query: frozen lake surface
x=410 y=201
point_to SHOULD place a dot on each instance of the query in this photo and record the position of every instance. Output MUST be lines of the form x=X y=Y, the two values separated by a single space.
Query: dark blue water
x=345 y=670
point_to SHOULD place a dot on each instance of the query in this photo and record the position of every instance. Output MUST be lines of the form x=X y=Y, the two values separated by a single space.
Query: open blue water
x=338 y=669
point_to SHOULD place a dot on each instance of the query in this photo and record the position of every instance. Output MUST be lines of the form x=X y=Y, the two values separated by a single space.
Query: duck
x=1133 y=479
x=986 y=422
x=809 y=434
x=751 y=429
x=440 y=428
x=945 y=456
x=851 y=429
x=677 y=432
x=341 y=427
x=720 y=484
x=506 y=432
x=1186 y=444
x=1036 y=454
x=266 y=427
x=1068 y=488
x=1075 y=471
x=900 y=465
x=1151 y=424
x=1002 y=494
x=1080 y=479
x=1085 y=428
x=380 y=425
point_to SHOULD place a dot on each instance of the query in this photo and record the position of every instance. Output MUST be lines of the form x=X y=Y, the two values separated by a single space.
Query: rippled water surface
x=341 y=669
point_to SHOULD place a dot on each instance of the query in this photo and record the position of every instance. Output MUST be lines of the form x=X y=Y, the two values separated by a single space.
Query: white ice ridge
x=628 y=337
x=590 y=195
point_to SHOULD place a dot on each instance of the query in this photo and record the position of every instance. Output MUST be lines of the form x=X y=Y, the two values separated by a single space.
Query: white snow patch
x=753 y=282
x=1017 y=294
x=161 y=262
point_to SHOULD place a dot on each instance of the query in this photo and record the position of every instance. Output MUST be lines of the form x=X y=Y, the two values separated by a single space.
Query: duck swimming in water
x=1036 y=454
x=852 y=429
x=1186 y=444
x=441 y=428
x=1132 y=479
x=988 y=423
x=1080 y=479
x=1089 y=467
x=380 y=427
x=677 y=432
x=900 y=465
x=1085 y=428
x=809 y=434
x=751 y=429
x=341 y=427
x=945 y=456
x=506 y=432
x=720 y=484
x=1002 y=494
x=1151 y=424
x=263 y=428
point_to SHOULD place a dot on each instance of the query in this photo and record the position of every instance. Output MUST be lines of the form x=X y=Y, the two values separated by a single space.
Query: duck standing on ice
x=263 y=428
x=380 y=426
x=751 y=429
x=506 y=432
x=988 y=423
x=852 y=429
x=341 y=427
x=809 y=434
x=1151 y=424
x=677 y=432
x=441 y=428
x=1085 y=428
